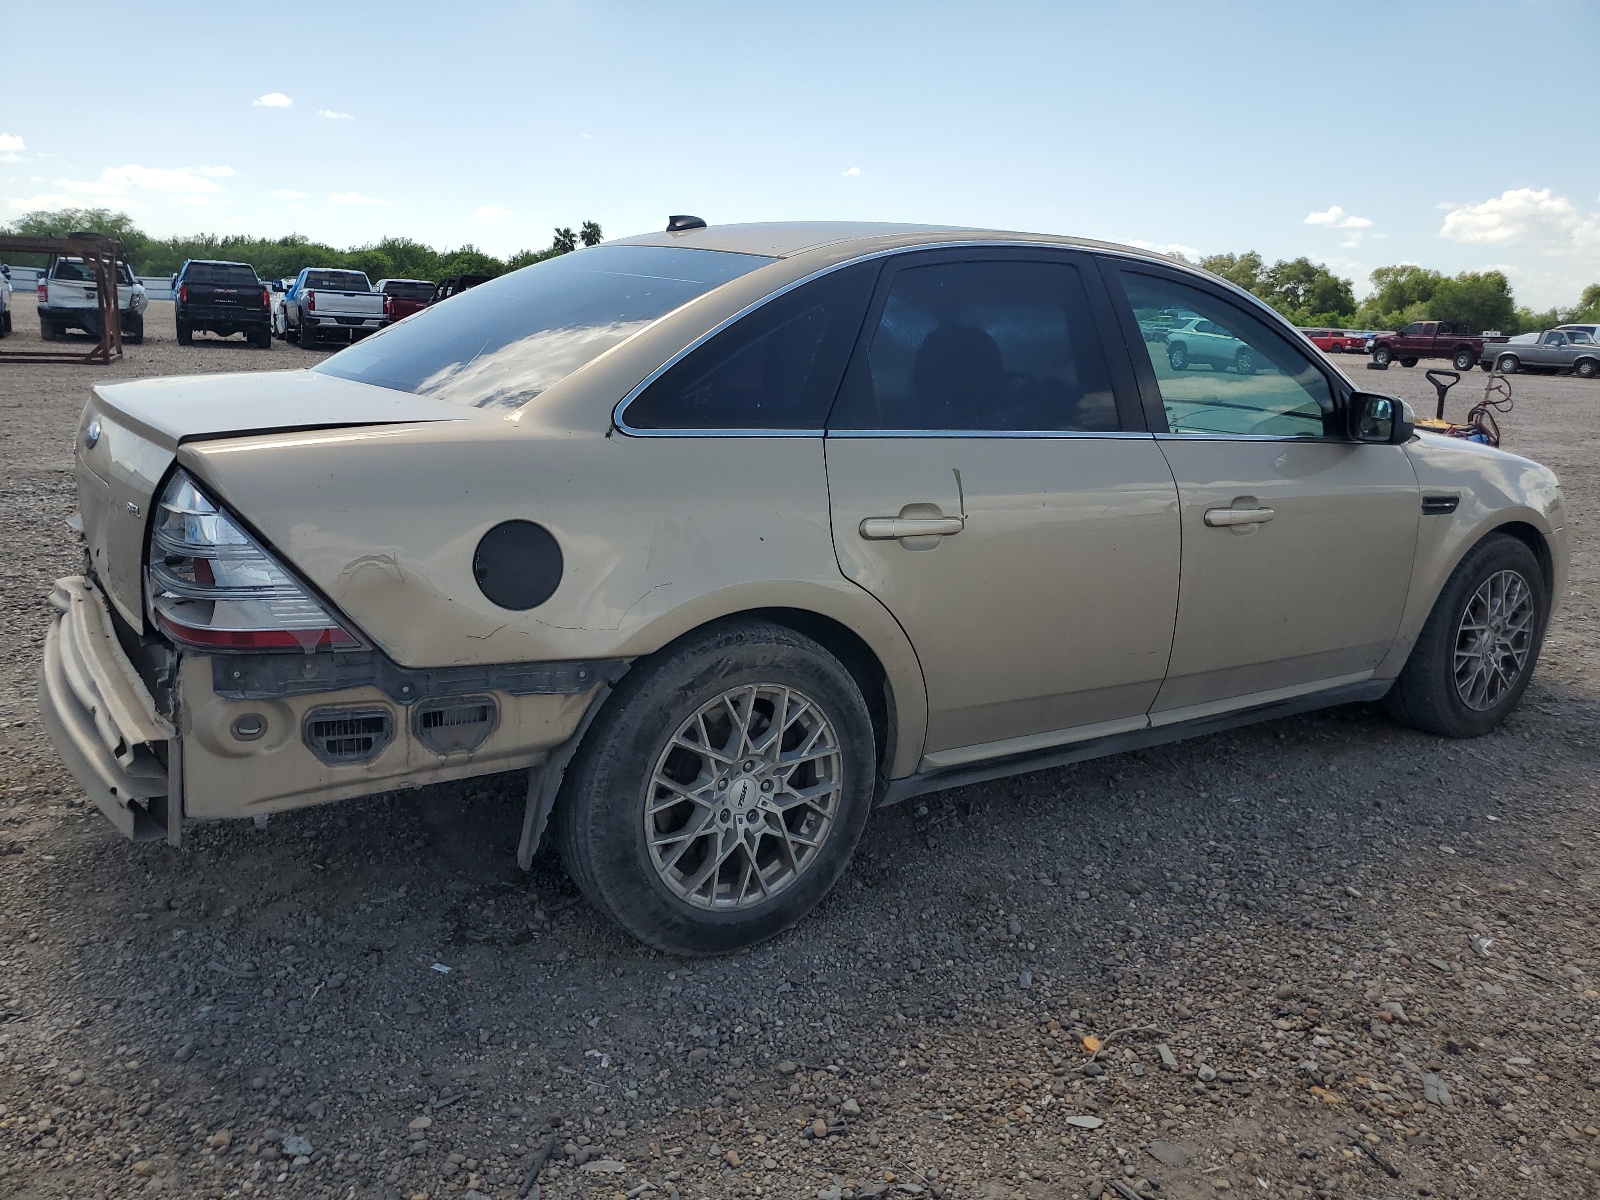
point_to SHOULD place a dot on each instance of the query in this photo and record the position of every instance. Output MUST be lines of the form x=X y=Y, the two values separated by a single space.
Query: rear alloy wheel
x=1477 y=650
x=1586 y=368
x=1244 y=362
x=1508 y=364
x=1463 y=360
x=722 y=790
x=1178 y=356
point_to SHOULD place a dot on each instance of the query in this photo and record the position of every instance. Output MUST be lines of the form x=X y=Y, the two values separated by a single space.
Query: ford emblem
x=91 y=435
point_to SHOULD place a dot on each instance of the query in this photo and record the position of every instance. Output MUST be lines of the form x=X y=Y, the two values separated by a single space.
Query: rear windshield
x=406 y=289
x=502 y=343
x=237 y=274
x=75 y=270
x=338 y=281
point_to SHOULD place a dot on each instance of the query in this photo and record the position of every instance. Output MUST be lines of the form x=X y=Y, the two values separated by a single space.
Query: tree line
x=281 y=258
x=1307 y=293
x=1311 y=295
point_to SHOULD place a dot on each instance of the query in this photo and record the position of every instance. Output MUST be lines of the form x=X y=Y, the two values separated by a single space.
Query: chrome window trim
x=970 y=244
x=1057 y=434
x=1259 y=437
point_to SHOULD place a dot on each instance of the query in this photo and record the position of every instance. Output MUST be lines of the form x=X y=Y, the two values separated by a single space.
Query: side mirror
x=1386 y=420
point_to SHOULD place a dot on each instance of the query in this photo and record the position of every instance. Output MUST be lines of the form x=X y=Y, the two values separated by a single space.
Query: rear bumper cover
x=103 y=720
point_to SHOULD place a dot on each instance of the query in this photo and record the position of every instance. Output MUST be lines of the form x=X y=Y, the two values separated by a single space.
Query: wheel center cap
x=744 y=791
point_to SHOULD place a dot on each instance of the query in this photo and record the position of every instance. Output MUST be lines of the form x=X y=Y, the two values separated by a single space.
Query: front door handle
x=1220 y=518
x=883 y=529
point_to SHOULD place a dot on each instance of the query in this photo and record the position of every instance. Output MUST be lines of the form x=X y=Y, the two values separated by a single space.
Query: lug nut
x=766 y=785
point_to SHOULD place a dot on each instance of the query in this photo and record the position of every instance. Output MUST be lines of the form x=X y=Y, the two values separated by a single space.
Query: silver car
x=1574 y=350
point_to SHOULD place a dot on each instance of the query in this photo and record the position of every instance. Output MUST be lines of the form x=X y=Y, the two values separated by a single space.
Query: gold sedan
x=726 y=536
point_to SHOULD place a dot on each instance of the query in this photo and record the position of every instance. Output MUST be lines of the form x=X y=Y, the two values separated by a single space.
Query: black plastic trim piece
x=1121 y=743
x=269 y=676
x=1439 y=506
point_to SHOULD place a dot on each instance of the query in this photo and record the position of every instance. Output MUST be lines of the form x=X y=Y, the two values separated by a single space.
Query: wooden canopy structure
x=101 y=255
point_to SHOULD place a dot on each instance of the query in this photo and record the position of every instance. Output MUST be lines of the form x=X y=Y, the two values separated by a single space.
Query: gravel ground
x=1320 y=957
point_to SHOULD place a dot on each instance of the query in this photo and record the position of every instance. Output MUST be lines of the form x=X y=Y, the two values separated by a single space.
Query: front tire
x=1244 y=362
x=1477 y=651
x=1586 y=368
x=722 y=791
x=1380 y=355
x=1408 y=362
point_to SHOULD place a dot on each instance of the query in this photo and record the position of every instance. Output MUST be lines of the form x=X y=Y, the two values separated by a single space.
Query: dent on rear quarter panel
x=658 y=536
x=1495 y=488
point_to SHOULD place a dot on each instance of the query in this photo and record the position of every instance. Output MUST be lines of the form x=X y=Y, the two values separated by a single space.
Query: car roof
x=785 y=239
x=214 y=262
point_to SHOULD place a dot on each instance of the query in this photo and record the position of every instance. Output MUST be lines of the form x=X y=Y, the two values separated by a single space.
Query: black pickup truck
x=224 y=298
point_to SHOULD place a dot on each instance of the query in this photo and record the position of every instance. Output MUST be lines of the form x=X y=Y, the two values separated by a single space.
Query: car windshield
x=237 y=274
x=409 y=289
x=339 y=281
x=75 y=270
x=502 y=343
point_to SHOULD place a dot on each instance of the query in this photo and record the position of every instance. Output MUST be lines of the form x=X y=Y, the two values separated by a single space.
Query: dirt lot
x=1325 y=956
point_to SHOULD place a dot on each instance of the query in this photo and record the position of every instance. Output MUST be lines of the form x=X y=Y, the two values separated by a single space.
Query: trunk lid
x=139 y=425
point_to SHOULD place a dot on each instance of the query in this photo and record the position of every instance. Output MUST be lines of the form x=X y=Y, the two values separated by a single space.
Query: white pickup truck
x=69 y=298
x=326 y=305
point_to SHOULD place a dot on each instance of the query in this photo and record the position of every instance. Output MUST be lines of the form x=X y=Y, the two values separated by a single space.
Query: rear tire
x=263 y=340
x=1178 y=356
x=1244 y=362
x=1463 y=360
x=618 y=815
x=47 y=329
x=1479 y=646
x=308 y=340
x=185 y=334
x=1508 y=364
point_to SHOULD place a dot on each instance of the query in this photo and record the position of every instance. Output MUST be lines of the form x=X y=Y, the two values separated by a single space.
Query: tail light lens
x=388 y=305
x=44 y=292
x=183 y=293
x=211 y=585
x=311 y=302
x=266 y=298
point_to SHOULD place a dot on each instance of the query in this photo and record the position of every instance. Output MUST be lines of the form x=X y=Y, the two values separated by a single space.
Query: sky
x=1461 y=135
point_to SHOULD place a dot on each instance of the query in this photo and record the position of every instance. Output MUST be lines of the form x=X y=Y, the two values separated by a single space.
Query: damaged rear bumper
x=103 y=720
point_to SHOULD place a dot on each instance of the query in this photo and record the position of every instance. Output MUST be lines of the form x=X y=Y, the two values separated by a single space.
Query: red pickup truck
x=1428 y=339
x=402 y=297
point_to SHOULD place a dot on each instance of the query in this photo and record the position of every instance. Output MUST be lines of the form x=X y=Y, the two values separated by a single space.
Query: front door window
x=1223 y=372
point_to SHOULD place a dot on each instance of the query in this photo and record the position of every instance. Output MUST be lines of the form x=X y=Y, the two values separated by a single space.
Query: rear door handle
x=1219 y=518
x=882 y=529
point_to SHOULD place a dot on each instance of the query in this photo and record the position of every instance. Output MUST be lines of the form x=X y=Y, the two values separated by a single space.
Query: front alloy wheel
x=721 y=790
x=1477 y=649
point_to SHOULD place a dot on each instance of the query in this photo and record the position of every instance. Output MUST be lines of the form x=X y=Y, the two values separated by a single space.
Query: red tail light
x=266 y=298
x=210 y=584
x=183 y=293
x=388 y=305
x=44 y=293
x=311 y=302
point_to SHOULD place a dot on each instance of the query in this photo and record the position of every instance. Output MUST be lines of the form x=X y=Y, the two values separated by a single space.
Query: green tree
x=590 y=234
x=1588 y=305
x=565 y=241
x=1477 y=299
x=1308 y=293
x=1244 y=270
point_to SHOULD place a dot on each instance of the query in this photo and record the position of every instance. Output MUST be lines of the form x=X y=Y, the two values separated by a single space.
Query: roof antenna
x=677 y=224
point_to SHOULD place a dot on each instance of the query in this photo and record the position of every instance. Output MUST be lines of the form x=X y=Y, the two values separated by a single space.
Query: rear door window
x=1004 y=345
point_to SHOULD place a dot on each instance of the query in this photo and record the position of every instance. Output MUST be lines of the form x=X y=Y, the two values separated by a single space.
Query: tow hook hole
x=249 y=726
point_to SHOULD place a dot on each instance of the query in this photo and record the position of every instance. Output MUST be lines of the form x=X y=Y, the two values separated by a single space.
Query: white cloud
x=272 y=100
x=1336 y=218
x=115 y=182
x=357 y=198
x=47 y=200
x=287 y=194
x=1170 y=249
x=334 y=116
x=490 y=212
x=851 y=171
x=10 y=141
x=1539 y=218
